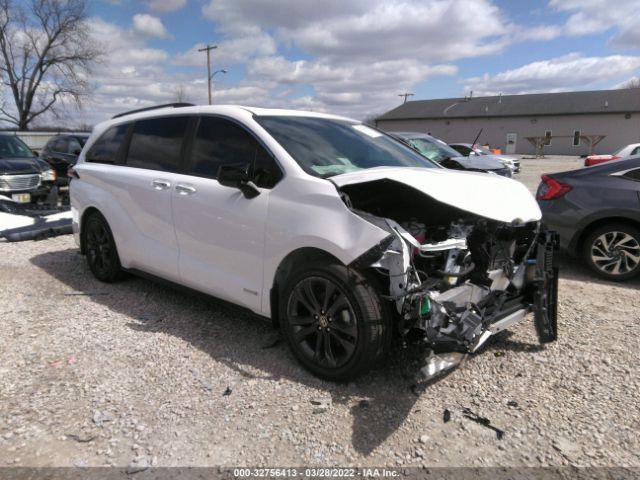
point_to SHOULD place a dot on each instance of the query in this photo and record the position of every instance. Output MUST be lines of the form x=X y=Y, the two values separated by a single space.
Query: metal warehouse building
x=570 y=121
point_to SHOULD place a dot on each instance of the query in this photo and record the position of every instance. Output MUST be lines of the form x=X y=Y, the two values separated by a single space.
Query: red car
x=633 y=149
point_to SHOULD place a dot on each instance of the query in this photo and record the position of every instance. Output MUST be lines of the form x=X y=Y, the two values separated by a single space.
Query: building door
x=512 y=139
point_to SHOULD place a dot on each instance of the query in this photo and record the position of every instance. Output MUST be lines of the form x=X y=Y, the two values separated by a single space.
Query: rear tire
x=102 y=255
x=333 y=321
x=613 y=251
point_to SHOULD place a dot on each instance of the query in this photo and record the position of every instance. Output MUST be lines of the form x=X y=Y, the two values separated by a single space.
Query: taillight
x=590 y=162
x=550 y=188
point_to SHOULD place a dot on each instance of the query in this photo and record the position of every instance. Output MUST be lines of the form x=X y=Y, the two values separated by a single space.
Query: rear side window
x=61 y=145
x=633 y=174
x=221 y=142
x=156 y=143
x=105 y=149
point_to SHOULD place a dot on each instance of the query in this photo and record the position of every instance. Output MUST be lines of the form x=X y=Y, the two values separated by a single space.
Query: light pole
x=208 y=49
x=222 y=70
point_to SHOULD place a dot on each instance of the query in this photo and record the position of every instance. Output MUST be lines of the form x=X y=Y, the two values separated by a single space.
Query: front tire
x=102 y=255
x=613 y=251
x=333 y=321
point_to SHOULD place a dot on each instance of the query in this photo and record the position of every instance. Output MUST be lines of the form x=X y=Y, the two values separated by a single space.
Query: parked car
x=438 y=151
x=61 y=152
x=596 y=212
x=467 y=150
x=336 y=231
x=24 y=177
x=629 y=150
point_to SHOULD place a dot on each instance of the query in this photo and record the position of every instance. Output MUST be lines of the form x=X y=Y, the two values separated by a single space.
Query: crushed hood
x=489 y=196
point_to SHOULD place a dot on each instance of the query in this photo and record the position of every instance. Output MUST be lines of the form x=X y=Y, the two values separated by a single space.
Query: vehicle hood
x=481 y=162
x=489 y=196
x=14 y=166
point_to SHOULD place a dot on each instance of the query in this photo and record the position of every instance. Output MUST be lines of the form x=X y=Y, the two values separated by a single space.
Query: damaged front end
x=454 y=276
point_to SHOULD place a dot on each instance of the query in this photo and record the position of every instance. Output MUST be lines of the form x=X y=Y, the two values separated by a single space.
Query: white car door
x=145 y=194
x=221 y=232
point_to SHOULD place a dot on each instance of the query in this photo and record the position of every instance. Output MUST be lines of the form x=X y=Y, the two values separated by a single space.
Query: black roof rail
x=166 y=105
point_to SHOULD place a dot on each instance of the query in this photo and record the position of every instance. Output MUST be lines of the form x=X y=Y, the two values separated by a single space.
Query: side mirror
x=77 y=151
x=35 y=153
x=236 y=177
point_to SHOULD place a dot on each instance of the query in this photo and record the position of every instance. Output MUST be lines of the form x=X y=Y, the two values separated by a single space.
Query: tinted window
x=633 y=174
x=466 y=151
x=156 y=143
x=61 y=145
x=105 y=150
x=11 y=146
x=74 y=146
x=324 y=147
x=635 y=151
x=222 y=142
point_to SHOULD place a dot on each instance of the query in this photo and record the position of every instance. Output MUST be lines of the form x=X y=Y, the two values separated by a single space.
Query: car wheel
x=333 y=321
x=100 y=247
x=613 y=251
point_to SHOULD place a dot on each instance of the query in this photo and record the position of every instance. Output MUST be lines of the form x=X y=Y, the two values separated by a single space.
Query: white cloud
x=164 y=6
x=569 y=72
x=596 y=16
x=231 y=51
x=149 y=26
x=360 y=30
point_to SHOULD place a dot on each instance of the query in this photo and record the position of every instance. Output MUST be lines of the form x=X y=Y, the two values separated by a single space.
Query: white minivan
x=342 y=235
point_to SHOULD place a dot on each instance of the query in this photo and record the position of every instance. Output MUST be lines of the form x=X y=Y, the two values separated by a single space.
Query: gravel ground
x=141 y=372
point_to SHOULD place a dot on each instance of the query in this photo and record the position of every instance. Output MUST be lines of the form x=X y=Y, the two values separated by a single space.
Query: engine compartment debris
x=453 y=275
x=467 y=413
x=19 y=222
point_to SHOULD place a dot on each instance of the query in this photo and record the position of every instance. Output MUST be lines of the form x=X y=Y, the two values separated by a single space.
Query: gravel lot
x=139 y=371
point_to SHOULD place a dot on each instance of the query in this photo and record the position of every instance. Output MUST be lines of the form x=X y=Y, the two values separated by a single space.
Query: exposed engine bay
x=455 y=276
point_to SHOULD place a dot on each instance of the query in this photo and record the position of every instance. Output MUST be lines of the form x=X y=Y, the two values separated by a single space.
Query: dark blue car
x=596 y=211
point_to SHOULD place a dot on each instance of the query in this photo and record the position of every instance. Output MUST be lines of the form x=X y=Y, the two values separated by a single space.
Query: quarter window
x=105 y=149
x=156 y=143
x=221 y=142
x=633 y=174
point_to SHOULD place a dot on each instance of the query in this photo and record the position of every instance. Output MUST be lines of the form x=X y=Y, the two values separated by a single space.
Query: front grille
x=15 y=183
x=505 y=172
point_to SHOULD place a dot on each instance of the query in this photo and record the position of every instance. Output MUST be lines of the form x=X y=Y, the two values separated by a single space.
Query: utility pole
x=405 y=95
x=208 y=49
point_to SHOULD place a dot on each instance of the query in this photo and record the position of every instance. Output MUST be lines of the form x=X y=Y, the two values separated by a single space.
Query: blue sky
x=354 y=57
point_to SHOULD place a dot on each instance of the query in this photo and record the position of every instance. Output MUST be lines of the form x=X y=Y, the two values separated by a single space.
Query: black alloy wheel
x=334 y=321
x=100 y=248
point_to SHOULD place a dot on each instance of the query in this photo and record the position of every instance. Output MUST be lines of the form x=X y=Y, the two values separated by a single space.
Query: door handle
x=161 y=184
x=185 y=190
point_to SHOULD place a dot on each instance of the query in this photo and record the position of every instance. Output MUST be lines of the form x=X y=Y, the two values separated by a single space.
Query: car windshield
x=324 y=147
x=432 y=149
x=11 y=146
x=482 y=151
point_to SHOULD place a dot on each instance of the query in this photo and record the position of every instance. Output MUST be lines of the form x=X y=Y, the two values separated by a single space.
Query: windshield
x=431 y=149
x=11 y=146
x=324 y=147
x=482 y=151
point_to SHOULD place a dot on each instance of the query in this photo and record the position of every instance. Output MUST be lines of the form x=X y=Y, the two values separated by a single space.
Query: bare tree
x=180 y=94
x=631 y=83
x=46 y=55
